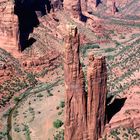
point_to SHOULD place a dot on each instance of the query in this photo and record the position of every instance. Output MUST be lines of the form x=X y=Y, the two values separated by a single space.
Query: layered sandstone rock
x=74 y=7
x=97 y=89
x=79 y=9
x=8 y=24
x=85 y=113
x=75 y=121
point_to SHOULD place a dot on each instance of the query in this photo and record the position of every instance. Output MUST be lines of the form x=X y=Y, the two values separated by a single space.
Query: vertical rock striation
x=85 y=113
x=97 y=81
x=8 y=23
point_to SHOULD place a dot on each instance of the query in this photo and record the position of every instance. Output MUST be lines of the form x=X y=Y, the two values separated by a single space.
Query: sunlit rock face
x=74 y=7
x=97 y=92
x=85 y=112
x=75 y=118
x=8 y=24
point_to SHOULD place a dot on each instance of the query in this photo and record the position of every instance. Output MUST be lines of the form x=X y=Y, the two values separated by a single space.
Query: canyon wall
x=18 y=19
x=74 y=7
x=8 y=24
x=85 y=112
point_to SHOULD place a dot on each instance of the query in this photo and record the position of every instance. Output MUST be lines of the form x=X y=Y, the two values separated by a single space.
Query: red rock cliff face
x=74 y=7
x=8 y=23
x=85 y=113
x=97 y=80
x=75 y=121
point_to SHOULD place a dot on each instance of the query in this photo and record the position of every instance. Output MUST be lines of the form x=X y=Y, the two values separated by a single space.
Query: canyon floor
x=33 y=91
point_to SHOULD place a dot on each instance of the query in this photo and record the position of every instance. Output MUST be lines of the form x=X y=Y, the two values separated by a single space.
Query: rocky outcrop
x=74 y=7
x=56 y=5
x=78 y=10
x=75 y=118
x=85 y=113
x=97 y=89
x=114 y=7
x=8 y=24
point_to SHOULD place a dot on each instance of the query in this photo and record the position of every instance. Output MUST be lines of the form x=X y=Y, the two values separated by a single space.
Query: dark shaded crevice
x=57 y=5
x=98 y=2
x=48 y=5
x=115 y=9
x=114 y=108
x=83 y=18
x=27 y=12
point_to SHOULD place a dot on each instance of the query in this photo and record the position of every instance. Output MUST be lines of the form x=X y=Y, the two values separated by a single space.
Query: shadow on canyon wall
x=83 y=18
x=114 y=108
x=98 y=2
x=28 y=12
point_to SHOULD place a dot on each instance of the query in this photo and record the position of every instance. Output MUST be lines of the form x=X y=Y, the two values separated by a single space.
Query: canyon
x=69 y=70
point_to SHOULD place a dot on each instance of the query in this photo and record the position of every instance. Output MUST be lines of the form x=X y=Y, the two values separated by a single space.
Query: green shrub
x=49 y=94
x=60 y=112
x=62 y=104
x=59 y=135
x=110 y=57
x=39 y=95
x=114 y=132
x=125 y=134
x=27 y=132
x=7 y=113
x=17 y=129
x=58 y=123
x=87 y=47
x=109 y=49
x=122 y=37
x=16 y=99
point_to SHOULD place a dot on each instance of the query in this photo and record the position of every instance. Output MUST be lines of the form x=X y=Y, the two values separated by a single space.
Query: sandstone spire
x=97 y=81
x=75 y=118
x=85 y=113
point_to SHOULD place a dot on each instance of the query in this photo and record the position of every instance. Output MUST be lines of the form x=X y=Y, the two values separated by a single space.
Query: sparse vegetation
x=7 y=113
x=60 y=112
x=59 y=135
x=122 y=37
x=58 y=123
x=123 y=133
x=109 y=49
x=3 y=134
x=87 y=47
x=62 y=104
x=27 y=132
x=16 y=100
x=49 y=93
x=40 y=95
x=17 y=129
